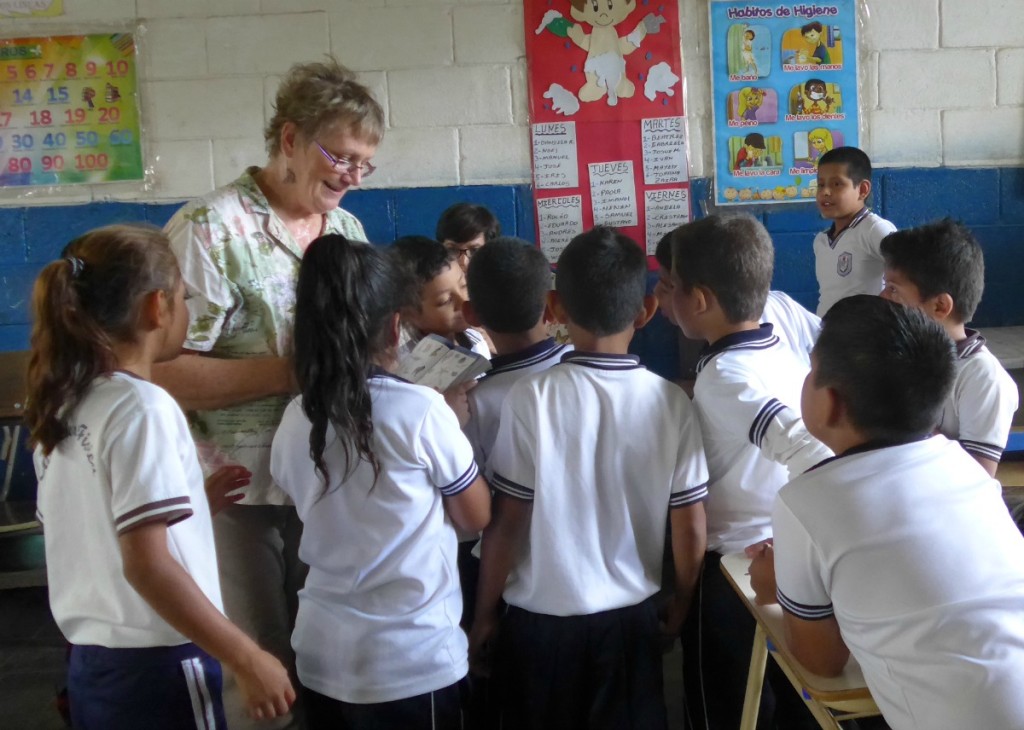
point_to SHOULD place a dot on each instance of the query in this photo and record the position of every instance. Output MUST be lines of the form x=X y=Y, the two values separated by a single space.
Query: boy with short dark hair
x=592 y=458
x=747 y=395
x=939 y=268
x=508 y=283
x=847 y=255
x=899 y=550
x=438 y=293
x=464 y=228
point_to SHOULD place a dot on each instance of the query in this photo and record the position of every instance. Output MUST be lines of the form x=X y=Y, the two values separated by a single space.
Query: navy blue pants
x=157 y=688
x=437 y=710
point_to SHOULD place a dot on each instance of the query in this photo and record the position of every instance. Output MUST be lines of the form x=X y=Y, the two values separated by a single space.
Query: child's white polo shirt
x=379 y=615
x=602 y=448
x=980 y=408
x=486 y=398
x=851 y=262
x=793 y=324
x=747 y=394
x=912 y=549
x=129 y=460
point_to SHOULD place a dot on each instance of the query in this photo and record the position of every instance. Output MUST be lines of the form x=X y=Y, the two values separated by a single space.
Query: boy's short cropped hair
x=730 y=255
x=420 y=259
x=508 y=281
x=858 y=164
x=601 y=280
x=891 y=365
x=942 y=257
x=663 y=252
x=462 y=222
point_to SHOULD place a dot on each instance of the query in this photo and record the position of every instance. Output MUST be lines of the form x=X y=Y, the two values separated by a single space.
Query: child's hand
x=481 y=640
x=223 y=481
x=265 y=686
x=458 y=402
x=670 y=620
x=762 y=573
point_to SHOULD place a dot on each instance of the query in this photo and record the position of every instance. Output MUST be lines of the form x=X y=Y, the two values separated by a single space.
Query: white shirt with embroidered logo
x=851 y=262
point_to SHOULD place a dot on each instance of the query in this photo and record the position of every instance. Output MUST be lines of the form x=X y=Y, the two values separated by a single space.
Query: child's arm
x=502 y=544
x=470 y=509
x=689 y=541
x=165 y=585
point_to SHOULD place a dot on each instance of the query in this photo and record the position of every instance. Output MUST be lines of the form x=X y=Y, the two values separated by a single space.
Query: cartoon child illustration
x=605 y=67
x=812 y=34
x=815 y=98
x=820 y=141
x=751 y=152
x=750 y=98
x=749 y=62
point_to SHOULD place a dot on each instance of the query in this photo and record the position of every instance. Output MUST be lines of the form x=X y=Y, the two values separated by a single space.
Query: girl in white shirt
x=129 y=548
x=379 y=471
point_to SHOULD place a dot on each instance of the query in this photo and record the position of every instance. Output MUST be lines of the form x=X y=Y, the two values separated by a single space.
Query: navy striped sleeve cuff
x=764 y=417
x=689 y=496
x=803 y=610
x=168 y=511
x=511 y=488
x=987 y=451
x=462 y=483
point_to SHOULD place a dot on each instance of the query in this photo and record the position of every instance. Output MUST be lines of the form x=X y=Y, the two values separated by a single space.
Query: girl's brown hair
x=82 y=305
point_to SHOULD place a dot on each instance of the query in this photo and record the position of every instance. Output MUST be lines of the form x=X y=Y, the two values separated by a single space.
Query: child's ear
x=940 y=307
x=836 y=415
x=645 y=314
x=704 y=298
x=155 y=311
x=394 y=328
x=555 y=307
x=469 y=314
x=863 y=190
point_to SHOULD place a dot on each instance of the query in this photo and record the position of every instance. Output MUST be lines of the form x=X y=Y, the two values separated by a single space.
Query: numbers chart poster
x=607 y=119
x=784 y=80
x=68 y=110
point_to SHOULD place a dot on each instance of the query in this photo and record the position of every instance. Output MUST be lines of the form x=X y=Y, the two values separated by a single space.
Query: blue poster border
x=785 y=89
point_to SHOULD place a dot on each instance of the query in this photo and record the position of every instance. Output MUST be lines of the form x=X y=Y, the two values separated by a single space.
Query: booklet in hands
x=439 y=364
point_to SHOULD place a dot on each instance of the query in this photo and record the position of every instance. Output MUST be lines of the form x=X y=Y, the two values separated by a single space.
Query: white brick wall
x=942 y=83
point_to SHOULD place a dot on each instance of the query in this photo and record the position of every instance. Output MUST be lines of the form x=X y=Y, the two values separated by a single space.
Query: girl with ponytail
x=379 y=471
x=130 y=558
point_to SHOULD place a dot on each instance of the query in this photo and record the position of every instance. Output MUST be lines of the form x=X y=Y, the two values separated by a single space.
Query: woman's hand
x=222 y=482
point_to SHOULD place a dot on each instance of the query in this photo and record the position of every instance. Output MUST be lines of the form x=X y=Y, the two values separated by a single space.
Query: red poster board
x=607 y=119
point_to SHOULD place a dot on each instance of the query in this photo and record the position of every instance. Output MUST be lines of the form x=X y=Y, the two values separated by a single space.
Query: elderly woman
x=239 y=249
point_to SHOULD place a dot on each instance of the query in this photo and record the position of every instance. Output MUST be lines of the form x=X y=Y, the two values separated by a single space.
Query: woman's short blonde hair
x=316 y=96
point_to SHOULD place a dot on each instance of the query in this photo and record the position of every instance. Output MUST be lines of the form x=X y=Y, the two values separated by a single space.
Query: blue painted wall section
x=990 y=200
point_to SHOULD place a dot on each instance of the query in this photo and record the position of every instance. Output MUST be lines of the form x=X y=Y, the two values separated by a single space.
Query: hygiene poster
x=608 y=128
x=69 y=110
x=784 y=92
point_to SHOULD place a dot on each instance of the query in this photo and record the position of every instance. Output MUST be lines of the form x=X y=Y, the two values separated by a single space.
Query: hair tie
x=77 y=266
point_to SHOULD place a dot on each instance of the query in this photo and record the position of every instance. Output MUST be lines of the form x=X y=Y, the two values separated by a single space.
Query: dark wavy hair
x=82 y=305
x=347 y=294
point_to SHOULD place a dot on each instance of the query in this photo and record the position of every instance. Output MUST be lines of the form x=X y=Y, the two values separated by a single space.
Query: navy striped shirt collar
x=529 y=355
x=376 y=371
x=871 y=445
x=969 y=346
x=602 y=360
x=756 y=339
x=834 y=237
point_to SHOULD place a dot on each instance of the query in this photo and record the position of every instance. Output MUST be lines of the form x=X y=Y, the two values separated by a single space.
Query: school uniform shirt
x=240 y=265
x=851 y=262
x=793 y=324
x=129 y=460
x=979 y=410
x=602 y=448
x=911 y=548
x=486 y=398
x=379 y=614
x=747 y=395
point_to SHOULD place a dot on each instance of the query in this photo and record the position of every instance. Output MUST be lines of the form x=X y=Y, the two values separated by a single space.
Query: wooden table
x=830 y=699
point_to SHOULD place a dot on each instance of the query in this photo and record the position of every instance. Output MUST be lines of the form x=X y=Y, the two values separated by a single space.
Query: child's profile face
x=838 y=196
x=901 y=290
x=440 y=311
x=177 y=323
x=663 y=293
x=684 y=308
x=814 y=403
x=464 y=251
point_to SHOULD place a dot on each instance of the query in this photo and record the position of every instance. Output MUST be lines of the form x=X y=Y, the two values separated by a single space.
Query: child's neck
x=584 y=341
x=135 y=358
x=957 y=331
x=509 y=343
x=841 y=224
x=724 y=328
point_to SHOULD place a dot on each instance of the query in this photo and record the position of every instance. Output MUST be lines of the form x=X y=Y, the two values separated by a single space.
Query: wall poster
x=69 y=110
x=784 y=91
x=607 y=118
